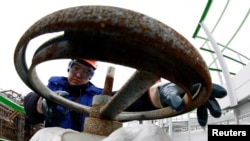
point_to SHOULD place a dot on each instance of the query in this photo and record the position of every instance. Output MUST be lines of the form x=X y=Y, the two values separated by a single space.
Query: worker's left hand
x=211 y=105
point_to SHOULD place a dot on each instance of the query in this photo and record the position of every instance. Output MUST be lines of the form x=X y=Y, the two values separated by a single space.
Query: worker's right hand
x=171 y=95
x=211 y=104
x=49 y=108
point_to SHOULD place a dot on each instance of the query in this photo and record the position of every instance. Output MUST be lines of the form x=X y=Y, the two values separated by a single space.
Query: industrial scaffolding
x=13 y=122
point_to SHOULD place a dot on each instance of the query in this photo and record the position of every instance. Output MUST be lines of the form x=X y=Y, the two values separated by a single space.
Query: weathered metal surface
x=109 y=80
x=134 y=88
x=122 y=37
x=100 y=127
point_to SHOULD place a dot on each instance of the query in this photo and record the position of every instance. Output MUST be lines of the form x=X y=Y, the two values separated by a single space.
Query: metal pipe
x=134 y=88
x=108 y=84
x=229 y=83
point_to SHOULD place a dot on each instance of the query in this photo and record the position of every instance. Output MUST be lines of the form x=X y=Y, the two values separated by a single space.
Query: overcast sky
x=17 y=16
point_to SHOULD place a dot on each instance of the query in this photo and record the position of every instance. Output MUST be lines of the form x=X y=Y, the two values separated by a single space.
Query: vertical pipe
x=236 y=116
x=230 y=88
x=170 y=127
x=108 y=85
x=189 y=127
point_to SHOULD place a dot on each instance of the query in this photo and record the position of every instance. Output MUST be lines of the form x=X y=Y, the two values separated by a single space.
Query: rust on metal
x=132 y=90
x=109 y=80
x=100 y=127
x=119 y=36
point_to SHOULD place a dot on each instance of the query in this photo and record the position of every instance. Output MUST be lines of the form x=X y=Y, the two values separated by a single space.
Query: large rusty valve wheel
x=119 y=36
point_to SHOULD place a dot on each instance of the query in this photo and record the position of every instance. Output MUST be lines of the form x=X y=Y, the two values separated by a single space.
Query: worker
x=77 y=87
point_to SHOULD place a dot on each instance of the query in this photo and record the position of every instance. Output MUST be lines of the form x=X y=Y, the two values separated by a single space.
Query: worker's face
x=79 y=74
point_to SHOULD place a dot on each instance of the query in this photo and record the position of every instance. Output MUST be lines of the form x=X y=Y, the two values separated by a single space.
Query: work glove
x=211 y=105
x=170 y=95
x=49 y=108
